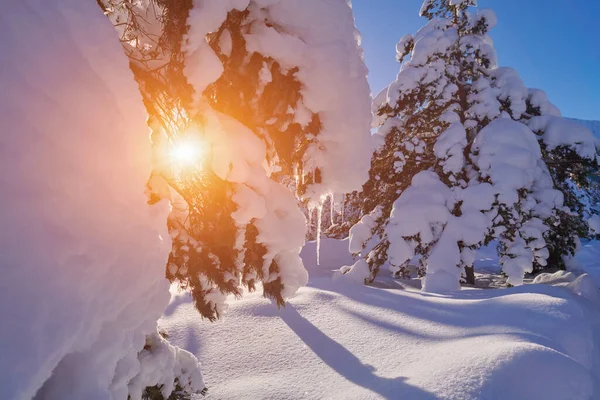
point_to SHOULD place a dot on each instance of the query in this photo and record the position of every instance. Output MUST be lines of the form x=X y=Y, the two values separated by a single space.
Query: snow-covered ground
x=336 y=340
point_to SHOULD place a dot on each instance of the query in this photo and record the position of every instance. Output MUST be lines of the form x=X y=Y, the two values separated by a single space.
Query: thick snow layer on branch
x=510 y=89
x=239 y=156
x=82 y=254
x=508 y=154
x=202 y=66
x=423 y=212
x=363 y=231
x=319 y=37
x=320 y=40
x=558 y=131
x=450 y=146
x=539 y=99
x=161 y=364
x=432 y=40
x=504 y=86
x=485 y=14
x=594 y=224
x=421 y=209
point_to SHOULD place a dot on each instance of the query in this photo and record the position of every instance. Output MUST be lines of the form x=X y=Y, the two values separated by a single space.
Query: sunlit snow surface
x=336 y=340
x=82 y=259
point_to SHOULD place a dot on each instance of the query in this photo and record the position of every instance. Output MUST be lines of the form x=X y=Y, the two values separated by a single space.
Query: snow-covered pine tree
x=420 y=158
x=152 y=33
x=275 y=95
x=455 y=164
x=285 y=66
x=569 y=150
x=259 y=84
x=569 y=159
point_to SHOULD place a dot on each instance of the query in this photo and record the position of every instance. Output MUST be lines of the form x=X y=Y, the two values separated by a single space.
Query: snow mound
x=358 y=342
x=587 y=260
x=82 y=256
x=582 y=285
x=555 y=278
x=594 y=224
x=358 y=272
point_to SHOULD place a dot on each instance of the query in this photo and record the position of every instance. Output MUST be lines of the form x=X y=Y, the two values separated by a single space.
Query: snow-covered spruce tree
x=277 y=69
x=569 y=154
x=287 y=99
x=421 y=151
x=258 y=84
x=455 y=164
x=569 y=150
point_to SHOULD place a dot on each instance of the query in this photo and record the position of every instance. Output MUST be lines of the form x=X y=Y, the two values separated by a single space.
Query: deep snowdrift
x=82 y=258
x=342 y=341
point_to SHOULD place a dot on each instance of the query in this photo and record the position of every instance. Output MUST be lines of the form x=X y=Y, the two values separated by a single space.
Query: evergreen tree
x=220 y=72
x=152 y=33
x=570 y=154
x=422 y=118
x=456 y=163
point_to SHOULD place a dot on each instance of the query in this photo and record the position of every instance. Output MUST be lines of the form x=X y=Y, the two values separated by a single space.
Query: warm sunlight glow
x=187 y=153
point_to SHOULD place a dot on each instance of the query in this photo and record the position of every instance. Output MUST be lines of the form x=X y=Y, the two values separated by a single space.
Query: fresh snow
x=336 y=340
x=316 y=42
x=83 y=255
x=486 y=137
x=565 y=132
x=587 y=260
x=319 y=39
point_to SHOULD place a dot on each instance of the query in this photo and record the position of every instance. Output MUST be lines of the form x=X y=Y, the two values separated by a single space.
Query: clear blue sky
x=553 y=44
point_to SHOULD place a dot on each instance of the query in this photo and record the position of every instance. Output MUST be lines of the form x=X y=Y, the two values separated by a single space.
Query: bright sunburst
x=187 y=153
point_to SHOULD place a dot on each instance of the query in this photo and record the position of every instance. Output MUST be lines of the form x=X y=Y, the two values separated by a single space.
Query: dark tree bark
x=470 y=275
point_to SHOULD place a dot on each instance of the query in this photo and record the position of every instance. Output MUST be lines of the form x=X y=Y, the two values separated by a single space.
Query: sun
x=187 y=153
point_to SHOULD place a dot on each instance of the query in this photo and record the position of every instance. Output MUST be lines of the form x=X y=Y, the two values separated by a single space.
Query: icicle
x=296 y=177
x=240 y=242
x=319 y=222
x=332 y=209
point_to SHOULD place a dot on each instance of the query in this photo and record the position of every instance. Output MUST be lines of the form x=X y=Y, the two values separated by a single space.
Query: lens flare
x=187 y=153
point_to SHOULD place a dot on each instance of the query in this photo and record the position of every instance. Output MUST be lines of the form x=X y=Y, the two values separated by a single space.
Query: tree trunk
x=470 y=275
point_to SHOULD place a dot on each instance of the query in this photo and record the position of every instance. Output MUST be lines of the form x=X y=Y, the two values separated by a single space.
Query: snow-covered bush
x=165 y=372
x=465 y=153
x=82 y=253
x=272 y=90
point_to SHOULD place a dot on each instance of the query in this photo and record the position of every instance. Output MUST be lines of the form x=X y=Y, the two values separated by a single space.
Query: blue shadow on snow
x=338 y=358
